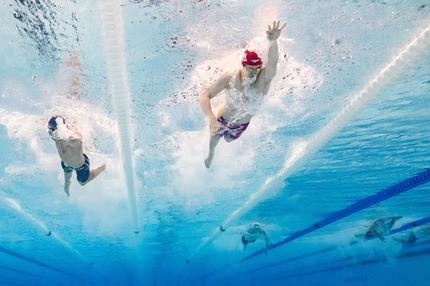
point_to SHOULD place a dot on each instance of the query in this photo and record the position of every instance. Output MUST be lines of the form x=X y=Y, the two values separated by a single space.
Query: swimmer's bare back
x=71 y=150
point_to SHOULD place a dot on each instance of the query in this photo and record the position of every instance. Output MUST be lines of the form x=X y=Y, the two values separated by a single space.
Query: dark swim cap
x=52 y=123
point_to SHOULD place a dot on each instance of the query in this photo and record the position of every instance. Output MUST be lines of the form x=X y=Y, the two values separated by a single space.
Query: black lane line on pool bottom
x=363 y=262
x=39 y=263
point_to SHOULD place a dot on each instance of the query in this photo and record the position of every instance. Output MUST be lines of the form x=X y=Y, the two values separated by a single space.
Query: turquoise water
x=329 y=52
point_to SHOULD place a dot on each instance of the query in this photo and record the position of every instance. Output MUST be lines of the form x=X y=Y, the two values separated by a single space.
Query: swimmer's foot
x=67 y=189
x=208 y=161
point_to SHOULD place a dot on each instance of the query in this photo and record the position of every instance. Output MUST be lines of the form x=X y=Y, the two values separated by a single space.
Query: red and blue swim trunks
x=229 y=130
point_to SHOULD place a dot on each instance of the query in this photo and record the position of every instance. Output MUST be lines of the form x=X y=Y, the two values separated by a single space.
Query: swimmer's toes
x=207 y=163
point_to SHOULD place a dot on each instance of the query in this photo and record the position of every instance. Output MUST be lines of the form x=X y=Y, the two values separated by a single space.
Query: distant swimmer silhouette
x=408 y=240
x=380 y=228
x=252 y=234
x=413 y=236
x=69 y=143
x=245 y=91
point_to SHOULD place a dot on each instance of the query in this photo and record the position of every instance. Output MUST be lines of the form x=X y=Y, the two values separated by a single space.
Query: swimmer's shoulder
x=228 y=78
x=76 y=136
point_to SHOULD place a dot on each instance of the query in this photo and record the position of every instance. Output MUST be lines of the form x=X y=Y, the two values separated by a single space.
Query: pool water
x=341 y=140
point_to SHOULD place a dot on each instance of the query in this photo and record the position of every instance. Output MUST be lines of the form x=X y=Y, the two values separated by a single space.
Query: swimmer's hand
x=214 y=125
x=274 y=32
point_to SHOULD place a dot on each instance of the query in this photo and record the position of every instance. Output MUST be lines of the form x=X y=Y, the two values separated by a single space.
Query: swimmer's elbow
x=204 y=97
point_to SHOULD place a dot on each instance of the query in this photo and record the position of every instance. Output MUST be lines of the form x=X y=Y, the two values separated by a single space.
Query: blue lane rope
x=410 y=225
x=404 y=227
x=366 y=202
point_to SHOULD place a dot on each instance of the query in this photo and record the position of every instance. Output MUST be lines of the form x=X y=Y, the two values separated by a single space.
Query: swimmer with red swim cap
x=245 y=91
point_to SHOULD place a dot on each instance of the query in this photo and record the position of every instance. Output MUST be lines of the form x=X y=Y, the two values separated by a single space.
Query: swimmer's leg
x=213 y=142
x=228 y=138
x=67 y=177
x=94 y=173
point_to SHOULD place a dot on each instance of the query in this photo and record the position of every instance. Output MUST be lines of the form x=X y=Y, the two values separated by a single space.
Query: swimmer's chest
x=249 y=98
x=69 y=147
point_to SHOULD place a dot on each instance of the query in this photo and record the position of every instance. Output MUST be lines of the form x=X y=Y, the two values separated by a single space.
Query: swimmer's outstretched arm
x=74 y=89
x=273 y=34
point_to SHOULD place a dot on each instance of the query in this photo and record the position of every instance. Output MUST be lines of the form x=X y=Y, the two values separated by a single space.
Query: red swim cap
x=251 y=59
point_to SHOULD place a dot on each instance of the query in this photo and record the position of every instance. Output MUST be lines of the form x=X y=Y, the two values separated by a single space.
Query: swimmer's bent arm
x=212 y=91
x=205 y=101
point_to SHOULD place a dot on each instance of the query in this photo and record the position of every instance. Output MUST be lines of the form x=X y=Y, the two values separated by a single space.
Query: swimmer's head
x=252 y=64
x=412 y=238
x=252 y=60
x=56 y=123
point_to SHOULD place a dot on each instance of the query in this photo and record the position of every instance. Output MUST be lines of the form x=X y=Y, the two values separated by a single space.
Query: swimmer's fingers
x=278 y=26
x=270 y=29
x=283 y=26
